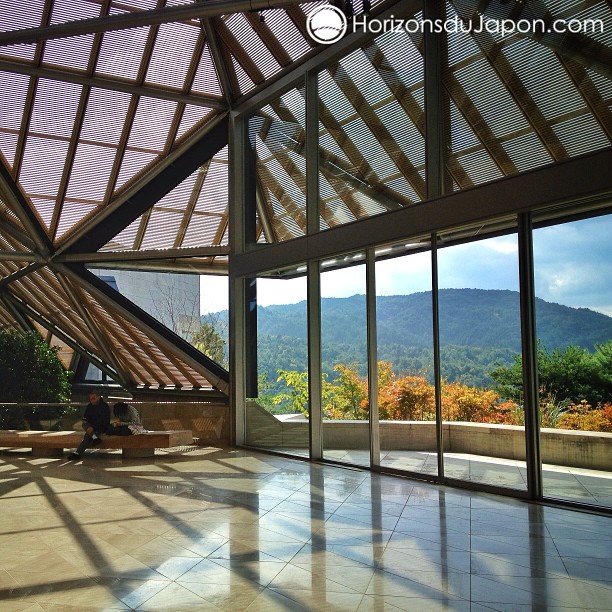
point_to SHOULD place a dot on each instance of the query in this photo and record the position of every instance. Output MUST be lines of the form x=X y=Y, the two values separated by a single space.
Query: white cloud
x=573 y=266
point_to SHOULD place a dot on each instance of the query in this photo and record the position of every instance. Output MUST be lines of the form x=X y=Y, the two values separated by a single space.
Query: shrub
x=583 y=417
x=463 y=403
x=409 y=398
x=30 y=371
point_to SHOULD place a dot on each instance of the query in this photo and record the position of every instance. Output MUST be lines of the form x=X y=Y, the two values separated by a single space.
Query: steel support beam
x=315 y=371
x=5 y=298
x=435 y=109
x=177 y=266
x=11 y=278
x=529 y=344
x=17 y=202
x=312 y=153
x=18 y=256
x=137 y=19
x=8 y=229
x=170 y=173
x=219 y=60
x=144 y=255
x=436 y=113
x=237 y=286
x=102 y=82
x=372 y=357
x=435 y=317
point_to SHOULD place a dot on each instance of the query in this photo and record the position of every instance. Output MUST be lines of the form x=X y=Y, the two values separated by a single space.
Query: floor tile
x=236 y=530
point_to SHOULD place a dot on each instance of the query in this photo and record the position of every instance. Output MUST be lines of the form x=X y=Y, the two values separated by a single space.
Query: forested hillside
x=478 y=329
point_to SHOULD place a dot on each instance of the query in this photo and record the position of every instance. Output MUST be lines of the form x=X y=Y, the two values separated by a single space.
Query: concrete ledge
x=583 y=449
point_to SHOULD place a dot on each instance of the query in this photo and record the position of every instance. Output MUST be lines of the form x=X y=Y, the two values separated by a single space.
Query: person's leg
x=85 y=443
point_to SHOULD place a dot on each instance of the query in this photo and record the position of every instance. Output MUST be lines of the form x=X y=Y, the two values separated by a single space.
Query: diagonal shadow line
x=88 y=544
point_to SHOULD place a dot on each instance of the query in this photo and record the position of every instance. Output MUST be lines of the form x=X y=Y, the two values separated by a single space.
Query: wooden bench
x=53 y=443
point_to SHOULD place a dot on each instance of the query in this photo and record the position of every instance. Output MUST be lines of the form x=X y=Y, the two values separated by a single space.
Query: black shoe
x=74 y=456
x=96 y=442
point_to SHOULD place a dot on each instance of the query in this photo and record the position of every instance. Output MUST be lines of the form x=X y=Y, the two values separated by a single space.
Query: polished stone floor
x=562 y=483
x=213 y=529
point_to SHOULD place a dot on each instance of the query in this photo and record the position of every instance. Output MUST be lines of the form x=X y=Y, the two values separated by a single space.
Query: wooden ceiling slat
x=187 y=85
x=60 y=312
x=378 y=129
x=126 y=328
x=132 y=108
x=263 y=31
x=411 y=107
x=222 y=59
x=83 y=305
x=599 y=108
x=493 y=52
x=342 y=188
x=31 y=94
x=292 y=209
x=236 y=49
x=76 y=130
x=191 y=204
x=264 y=224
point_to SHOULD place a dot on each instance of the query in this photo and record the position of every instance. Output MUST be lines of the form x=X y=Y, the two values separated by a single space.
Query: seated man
x=96 y=420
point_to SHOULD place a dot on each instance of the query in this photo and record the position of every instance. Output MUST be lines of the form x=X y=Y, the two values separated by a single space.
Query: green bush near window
x=30 y=372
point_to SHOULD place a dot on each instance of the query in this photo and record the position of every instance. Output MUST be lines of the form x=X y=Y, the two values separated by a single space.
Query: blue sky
x=573 y=267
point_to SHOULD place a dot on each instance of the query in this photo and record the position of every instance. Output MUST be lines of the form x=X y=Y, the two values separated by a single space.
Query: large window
x=573 y=272
x=480 y=339
x=406 y=392
x=346 y=412
x=277 y=413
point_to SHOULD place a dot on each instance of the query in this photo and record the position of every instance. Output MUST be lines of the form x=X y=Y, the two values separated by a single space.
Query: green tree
x=30 y=371
x=208 y=341
x=346 y=396
x=570 y=375
x=295 y=399
x=603 y=359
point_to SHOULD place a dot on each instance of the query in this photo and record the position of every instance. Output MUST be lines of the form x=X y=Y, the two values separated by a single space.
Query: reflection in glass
x=277 y=417
x=277 y=135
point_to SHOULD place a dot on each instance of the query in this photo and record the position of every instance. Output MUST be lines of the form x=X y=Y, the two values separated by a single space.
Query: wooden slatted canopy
x=113 y=134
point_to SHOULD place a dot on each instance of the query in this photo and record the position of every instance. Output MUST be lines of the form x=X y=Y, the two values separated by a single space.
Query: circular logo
x=326 y=24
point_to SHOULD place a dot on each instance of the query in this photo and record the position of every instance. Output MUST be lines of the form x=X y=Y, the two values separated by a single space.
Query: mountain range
x=478 y=329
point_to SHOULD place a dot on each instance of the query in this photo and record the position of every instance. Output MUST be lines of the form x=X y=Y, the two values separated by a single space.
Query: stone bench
x=53 y=443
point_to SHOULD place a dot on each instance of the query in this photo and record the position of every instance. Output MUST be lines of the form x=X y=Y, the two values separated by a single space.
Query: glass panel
x=503 y=121
x=277 y=136
x=277 y=417
x=173 y=299
x=406 y=393
x=371 y=145
x=346 y=416
x=573 y=273
x=480 y=340
x=212 y=338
